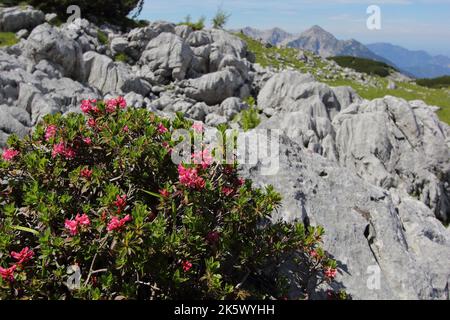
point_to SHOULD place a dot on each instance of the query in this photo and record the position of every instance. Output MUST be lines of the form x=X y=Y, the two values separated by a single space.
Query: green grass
x=436 y=83
x=364 y=65
x=121 y=57
x=102 y=37
x=406 y=90
x=8 y=39
x=282 y=58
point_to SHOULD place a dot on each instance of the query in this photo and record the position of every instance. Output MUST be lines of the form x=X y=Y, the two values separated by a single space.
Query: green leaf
x=25 y=229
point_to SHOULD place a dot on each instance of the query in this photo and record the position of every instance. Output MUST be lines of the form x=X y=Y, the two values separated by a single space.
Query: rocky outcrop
x=49 y=43
x=104 y=74
x=166 y=58
x=213 y=88
x=17 y=18
x=387 y=244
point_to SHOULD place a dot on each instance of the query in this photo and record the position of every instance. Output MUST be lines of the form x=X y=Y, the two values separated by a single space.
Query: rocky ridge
x=375 y=174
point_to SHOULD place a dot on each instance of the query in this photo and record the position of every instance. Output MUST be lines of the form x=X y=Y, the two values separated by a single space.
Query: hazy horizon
x=412 y=24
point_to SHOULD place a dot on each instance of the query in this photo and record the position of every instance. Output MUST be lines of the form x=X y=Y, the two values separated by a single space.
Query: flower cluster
x=189 y=177
x=60 y=149
x=113 y=104
x=22 y=257
x=9 y=154
x=117 y=224
x=80 y=222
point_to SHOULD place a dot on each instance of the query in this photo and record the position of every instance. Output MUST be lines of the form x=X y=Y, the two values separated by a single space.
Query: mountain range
x=418 y=64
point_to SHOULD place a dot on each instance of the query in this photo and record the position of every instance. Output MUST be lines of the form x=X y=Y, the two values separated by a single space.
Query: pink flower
x=50 y=132
x=186 y=265
x=23 y=256
x=111 y=105
x=8 y=274
x=83 y=220
x=121 y=102
x=227 y=191
x=62 y=150
x=9 y=154
x=313 y=253
x=330 y=273
x=213 y=237
x=198 y=127
x=203 y=158
x=92 y=123
x=116 y=223
x=86 y=173
x=58 y=149
x=189 y=177
x=126 y=129
x=86 y=106
x=72 y=226
x=69 y=153
x=87 y=140
x=121 y=202
x=241 y=182
x=164 y=193
x=162 y=129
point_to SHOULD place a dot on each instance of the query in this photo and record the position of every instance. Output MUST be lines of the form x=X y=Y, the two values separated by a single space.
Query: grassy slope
x=287 y=57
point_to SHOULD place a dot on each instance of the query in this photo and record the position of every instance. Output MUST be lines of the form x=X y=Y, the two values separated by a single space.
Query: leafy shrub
x=99 y=192
x=249 y=118
x=196 y=26
x=436 y=83
x=364 y=65
x=220 y=19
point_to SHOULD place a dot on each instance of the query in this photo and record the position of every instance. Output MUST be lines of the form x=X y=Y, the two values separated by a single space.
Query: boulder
x=166 y=58
x=110 y=77
x=49 y=43
x=14 y=19
x=381 y=255
x=213 y=88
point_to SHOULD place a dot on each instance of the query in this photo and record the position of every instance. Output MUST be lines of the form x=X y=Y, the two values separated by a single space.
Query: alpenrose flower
x=8 y=274
x=186 y=265
x=189 y=178
x=330 y=273
x=198 y=127
x=162 y=129
x=121 y=202
x=23 y=256
x=88 y=105
x=117 y=224
x=86 y=173
x=203 y=158
x=227 y=191
x=50 y=132
x=9 y=154
x=83 y=220
x=164 y=193
x=80 y=221
x=62 y=150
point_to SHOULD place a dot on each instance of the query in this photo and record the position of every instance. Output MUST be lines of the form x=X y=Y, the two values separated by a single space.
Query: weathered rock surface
x=166 y=58
x=369 y=230
x=111 y=77
x=17 y=18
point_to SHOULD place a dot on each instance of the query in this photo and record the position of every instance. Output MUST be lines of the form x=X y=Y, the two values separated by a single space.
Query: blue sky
x=414 y=24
